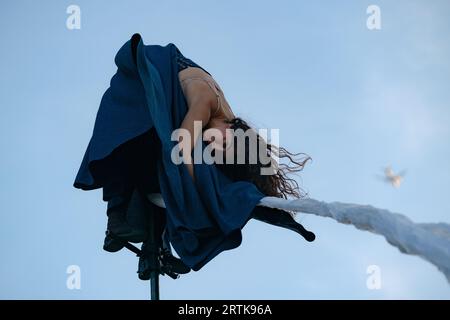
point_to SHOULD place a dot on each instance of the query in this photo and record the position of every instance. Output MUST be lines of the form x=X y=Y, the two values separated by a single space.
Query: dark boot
x=162 y=261
x=148 y=261
x=282 y=219
x=112 y=244
x=117 y=225
x=171 y=263
x=157 y=245
x=126 y=220
x=168 y=260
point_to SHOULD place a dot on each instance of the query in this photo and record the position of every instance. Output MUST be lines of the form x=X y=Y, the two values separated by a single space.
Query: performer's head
x=254 y=160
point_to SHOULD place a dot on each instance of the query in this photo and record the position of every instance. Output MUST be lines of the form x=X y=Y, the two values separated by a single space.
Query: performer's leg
x=150 y=247
x=126 y=220
x=169 y=259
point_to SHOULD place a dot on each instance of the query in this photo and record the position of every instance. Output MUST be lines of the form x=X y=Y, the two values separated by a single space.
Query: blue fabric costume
x=131 y=143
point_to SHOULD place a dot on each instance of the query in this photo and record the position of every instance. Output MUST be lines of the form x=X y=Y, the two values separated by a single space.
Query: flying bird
x=392 y=178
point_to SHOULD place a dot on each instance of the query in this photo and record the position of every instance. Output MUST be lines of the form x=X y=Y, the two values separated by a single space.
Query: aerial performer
x=160 y=109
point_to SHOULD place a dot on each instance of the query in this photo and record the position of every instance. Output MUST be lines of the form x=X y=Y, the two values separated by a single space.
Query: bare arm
x=200 y=101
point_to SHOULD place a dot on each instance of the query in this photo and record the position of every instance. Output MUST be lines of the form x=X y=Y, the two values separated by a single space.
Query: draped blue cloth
x=145 y=103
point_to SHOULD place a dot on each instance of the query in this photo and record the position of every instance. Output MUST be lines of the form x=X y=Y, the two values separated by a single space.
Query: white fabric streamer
x=431 y=241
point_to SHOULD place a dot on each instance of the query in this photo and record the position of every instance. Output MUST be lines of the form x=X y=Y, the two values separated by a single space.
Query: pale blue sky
x=354 y=100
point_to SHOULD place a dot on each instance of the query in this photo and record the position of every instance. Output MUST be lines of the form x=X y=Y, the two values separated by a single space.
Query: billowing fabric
x=131 y=144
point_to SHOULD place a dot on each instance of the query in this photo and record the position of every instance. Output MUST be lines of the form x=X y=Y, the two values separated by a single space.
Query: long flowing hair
x=278 y=184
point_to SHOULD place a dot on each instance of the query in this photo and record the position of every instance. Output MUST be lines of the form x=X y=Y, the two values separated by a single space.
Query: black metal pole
x=154 y=285
x=154 y=249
